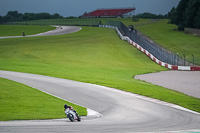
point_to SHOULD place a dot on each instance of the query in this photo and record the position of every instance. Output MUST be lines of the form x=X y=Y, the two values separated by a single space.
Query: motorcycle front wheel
x=79 y=119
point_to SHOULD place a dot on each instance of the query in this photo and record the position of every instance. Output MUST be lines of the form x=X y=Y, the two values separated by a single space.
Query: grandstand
x=109 y=13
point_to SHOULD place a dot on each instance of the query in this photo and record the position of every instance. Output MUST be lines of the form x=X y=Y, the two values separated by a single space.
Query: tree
x=197 y=20
x=150 y=16
x=15 y=16
x=173 y=15
x=29 y=16
x=186 y=14
x=191 y=13
x=181 y=8
x=43 y=16
x=56 y=16
x=1 y=19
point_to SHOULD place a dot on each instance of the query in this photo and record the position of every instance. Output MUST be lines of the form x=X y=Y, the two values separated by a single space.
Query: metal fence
x=192 y=31
x=156 y=50
x=69 y=22
x=159 y=52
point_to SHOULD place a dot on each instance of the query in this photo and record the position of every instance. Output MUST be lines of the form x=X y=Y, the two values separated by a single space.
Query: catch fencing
x=68 y=22
x=192 y=31
x=156 y=50
x=159 y=52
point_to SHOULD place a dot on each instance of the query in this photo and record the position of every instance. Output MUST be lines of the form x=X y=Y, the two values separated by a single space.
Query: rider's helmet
x=65 y=106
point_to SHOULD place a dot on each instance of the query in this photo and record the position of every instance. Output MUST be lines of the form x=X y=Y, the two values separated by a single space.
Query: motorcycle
x=72 y=115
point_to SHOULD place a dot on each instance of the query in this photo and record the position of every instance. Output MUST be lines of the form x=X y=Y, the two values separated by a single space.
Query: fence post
x=193 y=59
x=177 y=59
x=174 y=59
x=184 y=59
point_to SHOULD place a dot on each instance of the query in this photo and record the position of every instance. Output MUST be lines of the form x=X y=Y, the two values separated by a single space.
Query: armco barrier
x=169 y=66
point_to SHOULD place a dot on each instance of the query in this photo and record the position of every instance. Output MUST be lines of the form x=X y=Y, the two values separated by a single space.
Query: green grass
x=93 y=55
x=16 y=30
x=178 y=42
x=20 y=102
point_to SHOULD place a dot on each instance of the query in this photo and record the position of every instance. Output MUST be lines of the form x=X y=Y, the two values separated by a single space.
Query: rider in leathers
x=69 y=108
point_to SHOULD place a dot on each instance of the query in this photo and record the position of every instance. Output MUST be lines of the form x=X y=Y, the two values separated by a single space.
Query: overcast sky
x=78 y=7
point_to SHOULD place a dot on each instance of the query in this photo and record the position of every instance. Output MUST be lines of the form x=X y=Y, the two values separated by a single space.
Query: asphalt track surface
x=58 y=31
x=120 y=111
x=187 y=82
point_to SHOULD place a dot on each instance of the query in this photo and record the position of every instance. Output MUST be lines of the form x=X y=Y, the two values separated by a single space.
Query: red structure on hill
x=102 y=13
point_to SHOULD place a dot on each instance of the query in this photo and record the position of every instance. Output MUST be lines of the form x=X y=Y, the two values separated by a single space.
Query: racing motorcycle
x=72 y=114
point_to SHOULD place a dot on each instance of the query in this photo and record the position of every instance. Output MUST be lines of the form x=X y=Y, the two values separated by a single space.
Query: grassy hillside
x=20 y=102
x=16 y=30
x=94 y=55
x=178 y=42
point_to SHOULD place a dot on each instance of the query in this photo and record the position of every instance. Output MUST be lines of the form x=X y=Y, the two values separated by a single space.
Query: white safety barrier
x=169 y=66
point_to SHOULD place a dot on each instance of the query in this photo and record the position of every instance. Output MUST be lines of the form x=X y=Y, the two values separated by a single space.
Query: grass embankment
x=16 y=30
x=93 y=55
x=178 y=42
x=20 y=102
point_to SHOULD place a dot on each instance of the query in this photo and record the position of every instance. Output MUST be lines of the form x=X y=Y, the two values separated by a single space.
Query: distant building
x=109 y=13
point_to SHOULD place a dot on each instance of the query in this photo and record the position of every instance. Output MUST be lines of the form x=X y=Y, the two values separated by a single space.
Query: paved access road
x=121 y=111
x=58 y=31
x=187 y=82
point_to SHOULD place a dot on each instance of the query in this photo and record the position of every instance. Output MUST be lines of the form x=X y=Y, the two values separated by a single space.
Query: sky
x=79 y=7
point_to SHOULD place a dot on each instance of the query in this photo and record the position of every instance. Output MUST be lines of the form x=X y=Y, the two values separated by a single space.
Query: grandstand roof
x=108 y=12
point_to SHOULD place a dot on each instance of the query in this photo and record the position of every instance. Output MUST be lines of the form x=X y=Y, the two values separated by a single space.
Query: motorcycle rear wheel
x=71 y=117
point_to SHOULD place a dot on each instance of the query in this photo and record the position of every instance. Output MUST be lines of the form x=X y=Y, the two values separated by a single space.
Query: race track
x=121 y=111
x=58 y=31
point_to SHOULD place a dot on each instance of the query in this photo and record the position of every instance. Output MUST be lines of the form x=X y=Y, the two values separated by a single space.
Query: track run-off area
x=119 y=111
x=187 y=82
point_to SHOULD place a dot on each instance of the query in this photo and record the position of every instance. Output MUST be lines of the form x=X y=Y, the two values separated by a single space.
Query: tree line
x=186 y=14
x=12 y=16
x=151 y=16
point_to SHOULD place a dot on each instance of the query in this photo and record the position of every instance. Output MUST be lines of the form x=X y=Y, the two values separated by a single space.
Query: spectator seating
x=108 y=12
